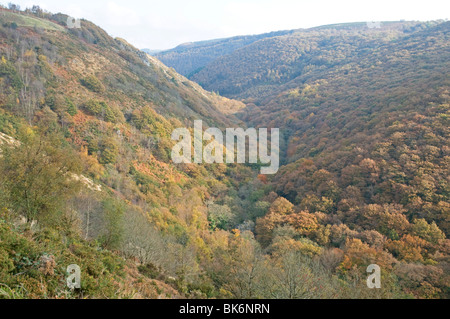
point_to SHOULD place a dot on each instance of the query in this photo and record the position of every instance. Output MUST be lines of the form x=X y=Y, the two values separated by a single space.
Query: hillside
x=257 y=70
x=80 y=102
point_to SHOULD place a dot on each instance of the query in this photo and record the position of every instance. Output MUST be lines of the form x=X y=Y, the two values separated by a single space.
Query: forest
x=86 y=175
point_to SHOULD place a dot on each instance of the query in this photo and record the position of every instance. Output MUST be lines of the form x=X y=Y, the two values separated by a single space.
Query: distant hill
x=190 y=58
x=258 y=69
x=151 y=52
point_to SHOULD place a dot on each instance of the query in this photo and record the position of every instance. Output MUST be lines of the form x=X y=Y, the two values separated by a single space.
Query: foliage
x=35 y=175
x=93 y=84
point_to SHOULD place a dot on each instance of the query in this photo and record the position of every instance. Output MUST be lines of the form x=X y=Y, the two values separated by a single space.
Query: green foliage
x=430 y=233
x=36 y=268
x=71 y=108
x=93 y=84
x=151 y=123
x=108 y=151
x=219 y=216
x=9 y=124
x=113 y=214
x=35 y=175
x=8 y=71
x=101 y=110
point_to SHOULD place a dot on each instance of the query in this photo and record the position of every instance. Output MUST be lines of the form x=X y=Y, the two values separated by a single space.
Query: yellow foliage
x=305 y=247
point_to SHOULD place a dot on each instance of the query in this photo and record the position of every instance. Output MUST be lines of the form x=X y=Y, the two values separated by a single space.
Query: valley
x=363 y=118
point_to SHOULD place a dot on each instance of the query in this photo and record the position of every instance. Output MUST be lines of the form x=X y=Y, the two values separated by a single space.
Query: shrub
x=93 y=84
x=8 y=71
x=100 y=109
x=71 y=108
x=109 y=151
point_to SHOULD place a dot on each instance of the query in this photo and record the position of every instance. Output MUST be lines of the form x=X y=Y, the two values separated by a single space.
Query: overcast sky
x=164 y=24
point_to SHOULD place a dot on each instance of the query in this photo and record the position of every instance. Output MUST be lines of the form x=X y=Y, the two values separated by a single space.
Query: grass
x=9 y=293
x=27 y=21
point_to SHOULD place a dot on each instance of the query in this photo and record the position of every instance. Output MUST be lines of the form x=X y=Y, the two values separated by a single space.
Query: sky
x=164 y=24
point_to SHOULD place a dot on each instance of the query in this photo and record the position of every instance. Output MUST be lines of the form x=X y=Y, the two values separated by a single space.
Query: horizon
x=295 y=29
x=160 y=26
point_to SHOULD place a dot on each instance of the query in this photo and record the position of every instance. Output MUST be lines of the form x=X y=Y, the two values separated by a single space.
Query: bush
x=108 y=151
x=34 y=176
x=71 y=108
x=8 y=71
x=100 y=109
x=113 y=231
x=93 y=84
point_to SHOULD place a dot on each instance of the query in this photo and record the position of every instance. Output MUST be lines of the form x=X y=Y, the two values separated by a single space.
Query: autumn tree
x=36 y=175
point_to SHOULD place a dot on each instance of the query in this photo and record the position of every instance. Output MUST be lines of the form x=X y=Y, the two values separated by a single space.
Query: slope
x=257 y=70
